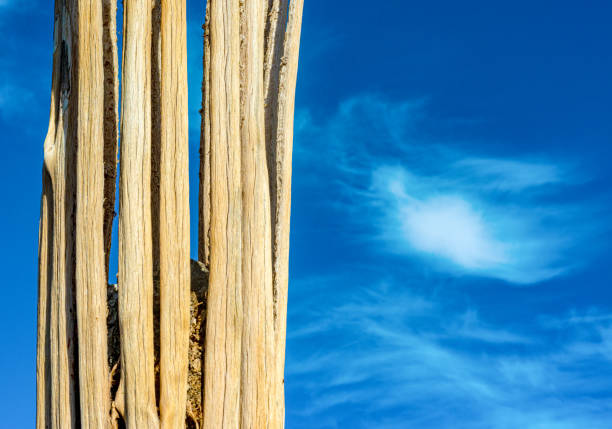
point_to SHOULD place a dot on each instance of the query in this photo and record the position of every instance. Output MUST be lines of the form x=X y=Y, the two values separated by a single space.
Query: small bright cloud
x=449 y=227
x=439 y=217
x=459 y=209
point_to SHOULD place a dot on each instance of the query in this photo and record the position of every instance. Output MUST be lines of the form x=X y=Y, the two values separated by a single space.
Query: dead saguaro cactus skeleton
x=177 y=343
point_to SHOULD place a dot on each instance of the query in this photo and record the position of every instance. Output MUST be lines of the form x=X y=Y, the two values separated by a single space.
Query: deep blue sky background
x=451 y=212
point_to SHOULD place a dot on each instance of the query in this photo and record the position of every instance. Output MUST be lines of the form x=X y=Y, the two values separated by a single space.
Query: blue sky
x=451 y=212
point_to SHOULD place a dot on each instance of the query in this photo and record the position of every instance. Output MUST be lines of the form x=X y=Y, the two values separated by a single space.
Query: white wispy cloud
x=463 y=211
x=512 y=175
x=402 y=353
x=439 y=367
x=465 y=229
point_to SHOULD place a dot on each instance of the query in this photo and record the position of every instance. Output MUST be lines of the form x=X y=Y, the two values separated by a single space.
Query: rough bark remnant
x=204 y=200
x=111 y=118
x=195 y=382
x=274 y=42
x=197 y=324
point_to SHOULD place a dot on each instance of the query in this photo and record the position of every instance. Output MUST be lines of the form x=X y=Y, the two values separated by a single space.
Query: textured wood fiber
x=284 y=150
x=224 y=312
x=174 y=217
x=135 y=232
x=248 y=91
x=269 y=34
x=90 y=278
x=257 y=330
x=204 y=190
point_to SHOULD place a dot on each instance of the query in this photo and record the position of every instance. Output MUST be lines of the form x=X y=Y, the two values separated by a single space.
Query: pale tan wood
x=283 y=153
x=174 y=217
x=204 y=196
x=90 y=275
x=250 y=71
x=46 y=244
x=59 y=163
x=111 y=118
x=258 y=327
x=135 y=235
x=224 y=311
x=43 y=359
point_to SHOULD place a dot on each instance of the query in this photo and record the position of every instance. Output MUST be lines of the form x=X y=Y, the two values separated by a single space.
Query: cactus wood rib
x=258 y=327
x=224 y=311
x=174 y=217
x=135 y=248
x=57 y=338
x=284 y=149
x=90 y=275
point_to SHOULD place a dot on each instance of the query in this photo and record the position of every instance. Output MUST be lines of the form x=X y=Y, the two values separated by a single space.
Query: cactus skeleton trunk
x=173 y=344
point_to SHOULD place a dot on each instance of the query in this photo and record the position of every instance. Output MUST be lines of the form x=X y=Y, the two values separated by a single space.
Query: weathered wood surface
x=199 y=288
x=224 y=313
x=269 y=34
x=204 y=191
x=248 y=90
x=257 y=329
x=174 y=217
x=59 y=283
x=135 y=232
x=284 y=150
x=90 y=276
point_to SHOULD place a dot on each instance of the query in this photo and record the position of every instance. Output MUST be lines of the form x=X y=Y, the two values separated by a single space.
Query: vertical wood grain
x=135 y=281
x=90 y=274
x=59 y=188
x=283 y=153
x=224 y=310
x=174 y=217
x=45 y=243
x=258 y=328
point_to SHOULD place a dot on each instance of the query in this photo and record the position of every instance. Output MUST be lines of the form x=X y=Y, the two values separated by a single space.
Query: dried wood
x=258 y=327
x=174 y=217
x=135 y=235
x=56 y=363
x=248 y=95
x=283 y=154
x=90 y=275
x=204 y=196
x=224 y=312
